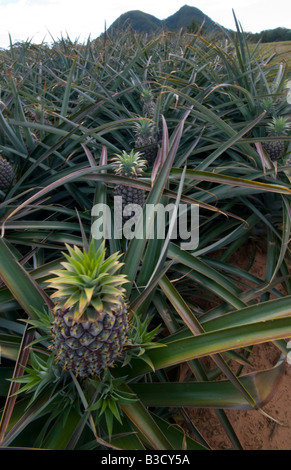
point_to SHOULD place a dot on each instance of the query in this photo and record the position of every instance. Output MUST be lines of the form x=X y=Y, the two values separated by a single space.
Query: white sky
x=40 y=20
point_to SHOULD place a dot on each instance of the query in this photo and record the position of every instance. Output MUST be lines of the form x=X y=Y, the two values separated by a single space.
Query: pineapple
x=148 y=107
x=90 y=316
x=129 y=164
x=276 y=128
x=267 y=104
x=38 y=114
x=6 y=173
x=145 y=141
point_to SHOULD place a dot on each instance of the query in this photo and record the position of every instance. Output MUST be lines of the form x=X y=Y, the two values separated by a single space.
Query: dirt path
x=254 y=430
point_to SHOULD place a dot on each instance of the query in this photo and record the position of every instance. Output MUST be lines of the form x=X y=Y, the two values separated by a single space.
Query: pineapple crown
x=278 y=126
x=88 y=281
x=129 y=164
x=143 y=128
x=267 y=104
x=146 y=95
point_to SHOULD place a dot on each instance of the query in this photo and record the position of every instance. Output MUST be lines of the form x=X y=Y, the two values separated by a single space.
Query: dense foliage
x=271 y=35
x=65 y=112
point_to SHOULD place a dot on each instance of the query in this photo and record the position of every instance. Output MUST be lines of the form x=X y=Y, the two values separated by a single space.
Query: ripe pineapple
x=6 y=173
x=90 y=318
x=129 y=164
x=145 y=140
x=277 y=127
x=148 y=108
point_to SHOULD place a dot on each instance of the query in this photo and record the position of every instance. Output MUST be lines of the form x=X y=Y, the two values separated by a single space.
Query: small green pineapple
x=6 y=173
x=90 y=318
x=145 y=141
x=129 y=164
x=278 y=127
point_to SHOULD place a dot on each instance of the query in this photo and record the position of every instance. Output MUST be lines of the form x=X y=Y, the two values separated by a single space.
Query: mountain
x=142 y=22
x=187 y=16
x=139 y=21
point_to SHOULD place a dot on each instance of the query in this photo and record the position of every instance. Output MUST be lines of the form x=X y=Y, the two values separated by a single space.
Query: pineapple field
x=112 y=342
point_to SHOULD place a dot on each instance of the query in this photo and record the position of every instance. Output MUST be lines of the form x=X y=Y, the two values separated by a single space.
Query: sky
x=48 y=20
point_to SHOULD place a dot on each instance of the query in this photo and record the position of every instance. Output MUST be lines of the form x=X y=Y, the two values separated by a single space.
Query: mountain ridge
x=142 y=22
x=190 y=18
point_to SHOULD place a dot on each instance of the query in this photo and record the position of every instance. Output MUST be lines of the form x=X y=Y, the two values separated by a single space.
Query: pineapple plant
x=278 y=127
x=145 y=140
x=6 y=173
x=268 y=105
x=148 y=103
x=128 y=164
x=90 y=316
x=38 y=114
